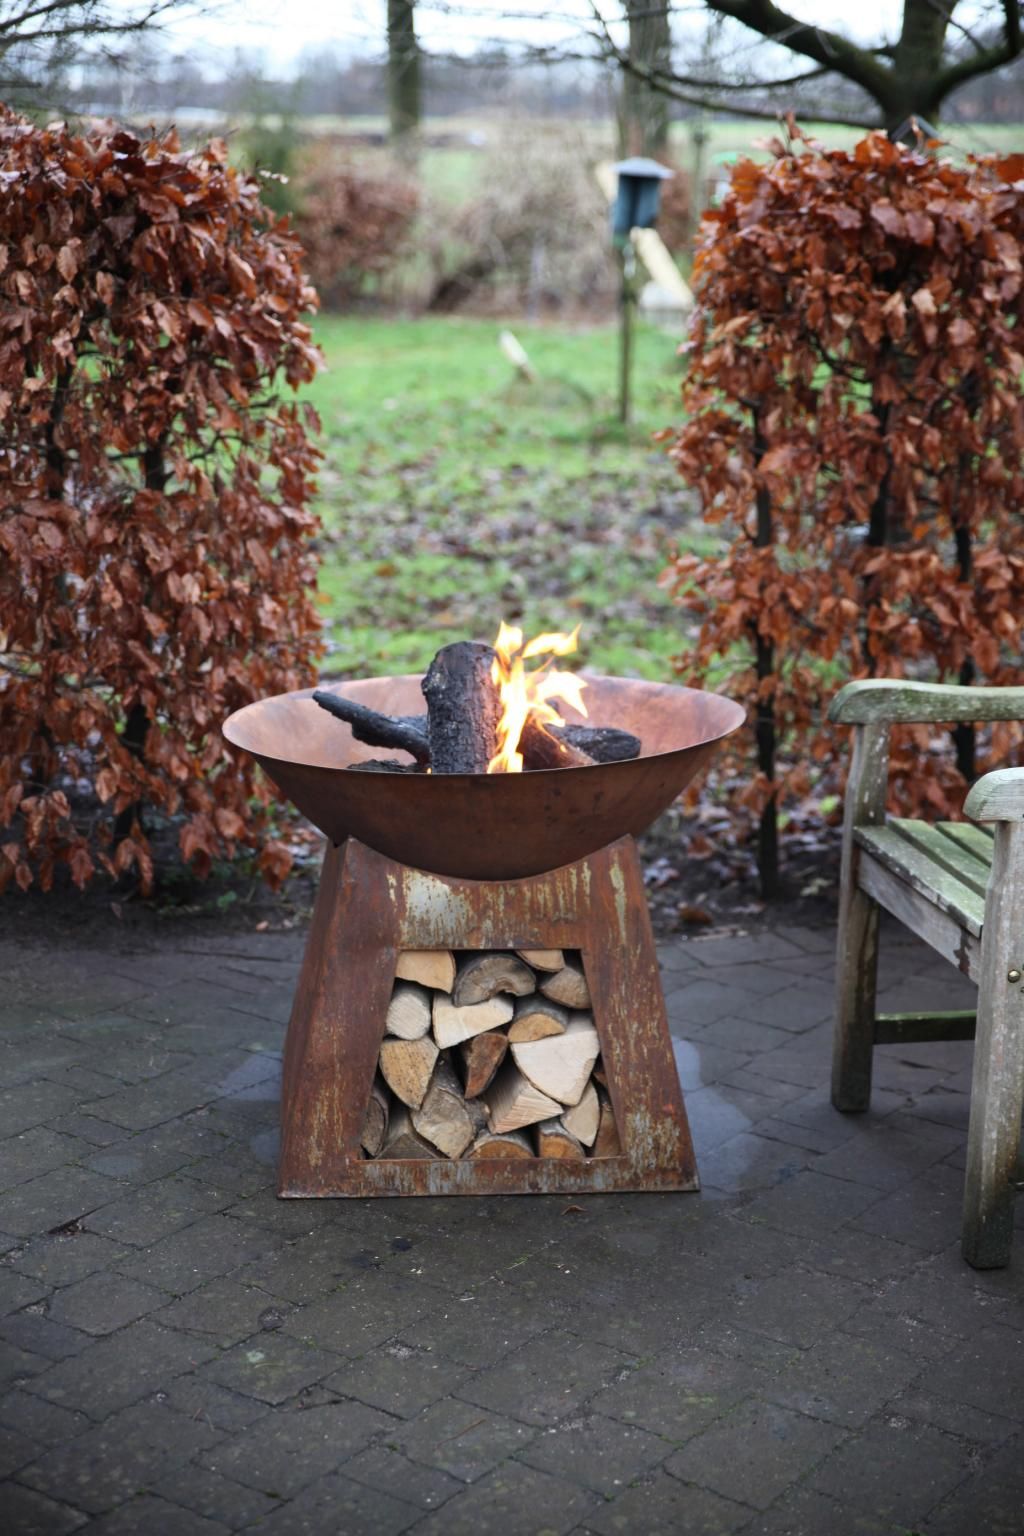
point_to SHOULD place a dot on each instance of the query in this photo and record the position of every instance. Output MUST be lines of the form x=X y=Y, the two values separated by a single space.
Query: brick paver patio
x=799 y=1349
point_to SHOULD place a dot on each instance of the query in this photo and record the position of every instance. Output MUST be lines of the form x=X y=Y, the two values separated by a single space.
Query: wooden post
x=627 y=261
x=857 y=945
x=997 y=1085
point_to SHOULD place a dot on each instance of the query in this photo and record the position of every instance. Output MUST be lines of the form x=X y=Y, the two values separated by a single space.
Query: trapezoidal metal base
x=369 y=908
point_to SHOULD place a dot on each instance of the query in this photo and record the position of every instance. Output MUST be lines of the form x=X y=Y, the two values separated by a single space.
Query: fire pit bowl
x=502 y=826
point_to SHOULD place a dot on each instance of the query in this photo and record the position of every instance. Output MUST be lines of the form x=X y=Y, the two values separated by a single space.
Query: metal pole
x=628 y=266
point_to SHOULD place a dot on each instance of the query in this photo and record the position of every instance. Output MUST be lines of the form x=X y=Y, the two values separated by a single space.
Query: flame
x=526 y=693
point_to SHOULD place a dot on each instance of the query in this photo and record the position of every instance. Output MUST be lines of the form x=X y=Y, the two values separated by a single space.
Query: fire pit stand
x=369 y=908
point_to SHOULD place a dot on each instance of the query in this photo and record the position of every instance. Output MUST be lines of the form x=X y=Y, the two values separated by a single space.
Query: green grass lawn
x=454 y=494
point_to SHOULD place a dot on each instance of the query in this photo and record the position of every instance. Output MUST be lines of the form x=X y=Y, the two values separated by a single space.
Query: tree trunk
x=403 y=73
x=917 y=63
x=644 y=111
x=768 y=831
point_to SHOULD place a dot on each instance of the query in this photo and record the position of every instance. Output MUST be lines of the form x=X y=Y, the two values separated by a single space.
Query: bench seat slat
x=946 y=852
x=924 y=875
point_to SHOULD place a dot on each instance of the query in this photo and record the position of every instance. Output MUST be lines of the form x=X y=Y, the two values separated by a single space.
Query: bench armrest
x=892 y=700
x=997 y=796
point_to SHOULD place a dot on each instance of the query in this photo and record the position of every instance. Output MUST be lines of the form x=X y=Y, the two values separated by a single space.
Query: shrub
x=154 y=520
x=854 y=424
x=353 y=221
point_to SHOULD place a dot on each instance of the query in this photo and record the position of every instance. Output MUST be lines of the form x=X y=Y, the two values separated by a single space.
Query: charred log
x=463 y=707
x=602 y=743
x=385 y=765
x=541 y=749
x=405 y=733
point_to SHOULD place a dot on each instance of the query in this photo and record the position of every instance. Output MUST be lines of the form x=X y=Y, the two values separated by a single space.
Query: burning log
x=403 y=732
x=407 y=1066
x=482 y=977
x=430 y=967
x=601 y=743
x=453 y=1025
x=409 y=1011
x=481 y=1058
x=542 y=749
x=583 y=1119
x=463 y=706
x=536 y=1018
x=567 y=986
x=444 y=1118
x=559 y=1066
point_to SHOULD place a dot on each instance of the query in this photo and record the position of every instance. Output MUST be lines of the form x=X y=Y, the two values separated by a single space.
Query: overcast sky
x=282 y=29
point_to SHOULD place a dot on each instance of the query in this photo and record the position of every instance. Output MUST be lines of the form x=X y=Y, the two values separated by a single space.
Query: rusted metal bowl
x=501 y=826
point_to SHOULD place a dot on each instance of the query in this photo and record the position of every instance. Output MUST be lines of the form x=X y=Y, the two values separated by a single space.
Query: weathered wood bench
x=960 y=887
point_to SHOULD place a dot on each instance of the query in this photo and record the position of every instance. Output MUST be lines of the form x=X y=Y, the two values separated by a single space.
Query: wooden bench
x=960 y=887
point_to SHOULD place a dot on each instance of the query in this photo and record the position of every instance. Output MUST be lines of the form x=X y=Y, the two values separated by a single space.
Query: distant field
x=454 y=495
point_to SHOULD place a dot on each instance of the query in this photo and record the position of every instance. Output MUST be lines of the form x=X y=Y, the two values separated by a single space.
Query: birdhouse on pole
x=637 y=196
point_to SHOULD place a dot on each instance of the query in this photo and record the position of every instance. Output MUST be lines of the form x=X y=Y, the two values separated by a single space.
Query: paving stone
x=984 y=1429
x=989 y=1502
x=802 y=1512
x=31 y=1104
x=121 y=1368
x=859 y=1256
x=212 y=1496
x=63 y=1258
x=479 y=1328
x=201 y=1399
x=599 y=1453
x=149 y=1513
x=398 y=1379
x=17 y=1291
x=386 y=1470
x=844 y=1380
x=750 y=1161
x=98 y=1133
x=460 y=1438
x=225 y=1310
x=719 y=1113
x=129 y=1451
x=896 y=1470
x=699 y=1063
x=284 y=1452
x=336 y=1503
x=18 y=1366
x=546 y=1379
x=101 y=1303
x=793 y=1009
x=662 y=1506
x=366 y=1312
x=798 y=1306
x=679 y=1392
x=54 y=1199
x=272 y=1367
x=698 y=1002
x=926 y=1213
x=512 y=1500
x=33 y=1330
x=209 y=1247
x=16 y=1450
x=984 y=1372
x=754 y=1453
x=151 y=1103
x=157 y=1210
x=35 y=1152
x=809 y=1204
x=28 y=1513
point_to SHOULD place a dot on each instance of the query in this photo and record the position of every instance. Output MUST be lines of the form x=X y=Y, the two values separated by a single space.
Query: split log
x=599 y=1074
x=542 y=750
x=430 y=967
x=568 y=986
x=405 y=732
x=409 y=1011
x=453 y=1025
x=403 y=1140
x=559 y=1066
x=583 y=1119
x=463 y=706
x=383 y=765
x=553 y=1140
x=512 y=1101
x=375 y=1125
x=542 y=959
x=407 y=1066
x=443 y=1118
x=602 y=743
x=508 y=1144
x=606 y=1142
x=483 y=976
x=481 y=1058
x=536 y=1018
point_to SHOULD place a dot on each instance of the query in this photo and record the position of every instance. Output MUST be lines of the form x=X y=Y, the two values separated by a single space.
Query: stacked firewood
x=490 y=1054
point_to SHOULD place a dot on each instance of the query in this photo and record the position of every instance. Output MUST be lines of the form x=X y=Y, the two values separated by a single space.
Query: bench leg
x=997 y=1085
x=856 y=984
